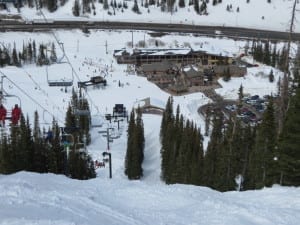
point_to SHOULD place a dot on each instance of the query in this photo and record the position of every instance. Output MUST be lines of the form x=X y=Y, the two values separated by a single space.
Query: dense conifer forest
x=238 y=155
x=86 y=7
x=35 y=149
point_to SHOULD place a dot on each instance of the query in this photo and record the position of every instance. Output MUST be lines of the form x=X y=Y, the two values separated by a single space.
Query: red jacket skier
x=15 y=114
x=2 y=114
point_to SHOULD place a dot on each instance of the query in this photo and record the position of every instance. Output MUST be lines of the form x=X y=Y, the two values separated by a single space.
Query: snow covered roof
x=150 y=101
x=159 y=51
x=171 y=51
x=214 y=50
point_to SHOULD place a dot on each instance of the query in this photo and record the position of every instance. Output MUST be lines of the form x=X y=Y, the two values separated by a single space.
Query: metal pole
x=132 y=39
x=106 y=47
x=1 y=91
x=107 y=132
x=110 y=166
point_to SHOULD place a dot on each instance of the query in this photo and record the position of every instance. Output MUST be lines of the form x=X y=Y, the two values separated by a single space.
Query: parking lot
x=250 y=111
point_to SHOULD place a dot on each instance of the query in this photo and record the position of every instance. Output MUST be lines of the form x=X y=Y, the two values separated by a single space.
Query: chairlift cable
x=73 y=70
x=29 y=75
x=32 y=99
x=44 y=92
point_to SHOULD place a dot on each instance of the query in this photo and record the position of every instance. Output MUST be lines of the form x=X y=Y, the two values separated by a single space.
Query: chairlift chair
x=69 y=130
x=9 y=116
x=4 y=95
x=82 y=112
x=97 y=119
x=44 y=118
x=67 y=140
x=81 y=147
x=59 y=83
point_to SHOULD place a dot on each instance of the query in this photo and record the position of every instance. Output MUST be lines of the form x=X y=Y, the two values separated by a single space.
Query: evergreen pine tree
x=135 y=7
x=288 y=157
x=274 y=57
x=271 y=76
x=130 y=141
x=178 y=164
x=203 y=7
x=212 y=152
x=181 y=3
x=282 y=59
x=80 y=165
x=76 y=8
x=166 y=139
x=207 y=120
x=1 y=60
x=30 y=3
x=241 y=96
x=41 y=58
x=34 y=51
x=15 y=60
x=52 y=5
x=262 y=158
x=170 y=5
x=140 y=136
x=175 y=149
x=267 y=54
x=57 y=156
x=105 y=4
x=197 y=157
x=30 y=52
x=196 y=6
x=39 y=154
x=6 y=156
x=53 y=57
x=222 y=164
x=135 y=147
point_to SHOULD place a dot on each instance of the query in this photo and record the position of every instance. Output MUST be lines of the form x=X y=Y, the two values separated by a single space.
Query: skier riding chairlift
x=3 y=113
x=15 y=115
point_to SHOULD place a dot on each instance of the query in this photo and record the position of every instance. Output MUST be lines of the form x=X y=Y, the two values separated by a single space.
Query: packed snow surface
x=256 y=14
x=43 y=199
x=28 y=198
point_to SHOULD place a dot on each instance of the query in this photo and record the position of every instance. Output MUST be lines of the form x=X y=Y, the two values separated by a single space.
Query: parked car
x=254 y=97
x=259 y=107
x=251 y=102
x=231 y=108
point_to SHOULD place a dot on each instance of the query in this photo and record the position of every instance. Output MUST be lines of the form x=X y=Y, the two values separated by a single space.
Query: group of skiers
x=15 y=115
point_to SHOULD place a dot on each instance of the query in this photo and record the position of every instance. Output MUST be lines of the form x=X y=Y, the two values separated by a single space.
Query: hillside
x=29 y=198
x=32 y=198
x=266 y=15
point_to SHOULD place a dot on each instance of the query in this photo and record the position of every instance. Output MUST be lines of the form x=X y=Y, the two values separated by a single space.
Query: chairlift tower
x=109 y=160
